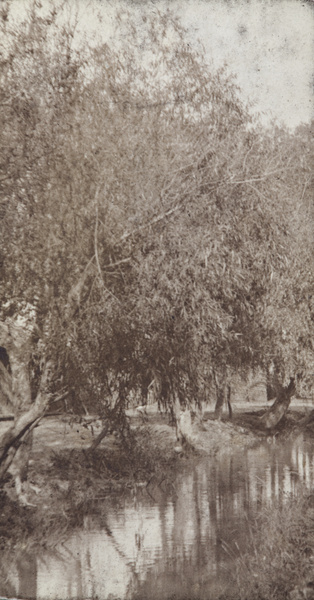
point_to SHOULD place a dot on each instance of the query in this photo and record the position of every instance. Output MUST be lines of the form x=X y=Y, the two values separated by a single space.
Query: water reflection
x=153 y=546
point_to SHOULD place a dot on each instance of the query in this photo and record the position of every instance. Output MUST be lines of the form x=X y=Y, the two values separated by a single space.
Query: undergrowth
x=279 y=563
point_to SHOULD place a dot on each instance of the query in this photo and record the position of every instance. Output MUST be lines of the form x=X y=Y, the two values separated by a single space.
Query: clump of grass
x=280 y=562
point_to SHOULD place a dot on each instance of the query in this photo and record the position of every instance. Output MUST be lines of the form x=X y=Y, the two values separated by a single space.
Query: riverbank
x=62 y=465
x=69 y=486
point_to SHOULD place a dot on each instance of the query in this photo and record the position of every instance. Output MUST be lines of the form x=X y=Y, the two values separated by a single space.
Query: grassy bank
x=279 y=562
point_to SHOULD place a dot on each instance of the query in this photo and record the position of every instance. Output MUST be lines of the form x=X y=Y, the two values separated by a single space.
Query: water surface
x=153 y=545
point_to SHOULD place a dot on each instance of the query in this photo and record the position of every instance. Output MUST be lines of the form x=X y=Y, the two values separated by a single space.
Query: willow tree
x=232 y=281
x=145 y=219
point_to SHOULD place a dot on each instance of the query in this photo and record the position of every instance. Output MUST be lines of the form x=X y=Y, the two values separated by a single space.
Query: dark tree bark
x=229 y=402
x=220 y=399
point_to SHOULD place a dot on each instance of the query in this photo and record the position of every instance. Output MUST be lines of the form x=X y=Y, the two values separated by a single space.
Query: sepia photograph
x=156 y=300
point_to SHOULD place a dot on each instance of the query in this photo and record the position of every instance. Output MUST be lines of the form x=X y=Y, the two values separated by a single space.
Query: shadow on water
x=154 y=546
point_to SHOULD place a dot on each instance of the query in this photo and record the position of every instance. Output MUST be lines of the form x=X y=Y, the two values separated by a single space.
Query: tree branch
x=99 y=438
x=157 y=219
x=117 y=263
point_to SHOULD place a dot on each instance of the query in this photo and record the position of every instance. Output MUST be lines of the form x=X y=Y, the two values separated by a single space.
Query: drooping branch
x=96 y=236
x=96 y=247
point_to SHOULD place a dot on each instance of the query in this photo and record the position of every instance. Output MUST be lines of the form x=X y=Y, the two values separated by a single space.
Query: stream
x=154 y=546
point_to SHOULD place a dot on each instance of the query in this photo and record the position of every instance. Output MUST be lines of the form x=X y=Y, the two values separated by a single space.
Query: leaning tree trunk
x=223 y=395
x=274 y=414
x=16 y=442
x=16 y=343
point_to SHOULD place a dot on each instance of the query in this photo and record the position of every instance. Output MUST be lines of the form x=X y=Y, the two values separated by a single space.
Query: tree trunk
x=27 y=567
x=274 y=414
x=176 y=413
x=16 y=442
x=230 y=414
x=99 y=438
x=220 y=398
x=223 y=395
x=272 y=383
x=15 y=386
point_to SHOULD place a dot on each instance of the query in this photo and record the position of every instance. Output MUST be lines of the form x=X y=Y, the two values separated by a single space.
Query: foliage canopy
x=159 y=233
